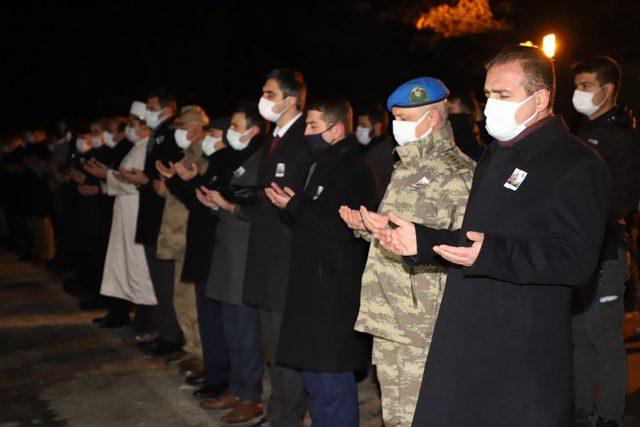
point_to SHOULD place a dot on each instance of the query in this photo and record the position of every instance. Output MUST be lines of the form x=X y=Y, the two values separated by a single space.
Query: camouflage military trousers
x=184 y=302
x=399 y=368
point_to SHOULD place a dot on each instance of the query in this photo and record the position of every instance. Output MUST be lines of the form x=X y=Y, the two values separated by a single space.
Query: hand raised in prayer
x=373 y=220
x=186 y=174
x=96 y=169
x=165 y=172
x=352 y=218
x=462 y=255
x=278 y=196
x=400 y=240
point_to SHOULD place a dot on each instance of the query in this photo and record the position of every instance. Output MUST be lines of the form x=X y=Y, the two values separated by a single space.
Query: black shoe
x=163 y=349
x=194 y=381
x=149 y=345
x=91 y=304
x=210 y=391
x=606 y=423
x=72 y=288
x=114 y=322
x=99 y=319
x=262 y=423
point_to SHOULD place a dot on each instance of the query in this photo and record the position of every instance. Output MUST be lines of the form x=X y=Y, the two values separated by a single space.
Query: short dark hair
x=468 y=99
x=376 y=114
x=291 y=83
x=606 y=68
x=252 y=115
x=538 y=68
x=165 y=99
x=335 y=110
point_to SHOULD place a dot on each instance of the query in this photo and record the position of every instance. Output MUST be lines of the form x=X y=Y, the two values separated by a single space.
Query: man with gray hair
x=430 y=184
x=501 y=349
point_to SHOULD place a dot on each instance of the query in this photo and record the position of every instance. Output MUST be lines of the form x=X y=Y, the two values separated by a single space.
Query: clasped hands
x=399 y=236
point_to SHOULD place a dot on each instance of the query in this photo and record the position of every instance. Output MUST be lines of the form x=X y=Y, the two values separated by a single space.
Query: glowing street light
x=549 y=45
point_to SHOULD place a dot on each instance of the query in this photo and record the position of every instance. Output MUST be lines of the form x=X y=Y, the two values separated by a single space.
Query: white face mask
x=181 y=138
x=209 y=145
x=83 y=145
x=363 y=135
x=501 y=118
x=265 y=107
x=405 y=132
x=152 y=118
x=583 y=102
x=108 y=139
x=233 y=137
x=131 y=134
x=96 y=141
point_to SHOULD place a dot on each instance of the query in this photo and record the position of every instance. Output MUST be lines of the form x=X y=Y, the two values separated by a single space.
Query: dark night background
x=87 y=59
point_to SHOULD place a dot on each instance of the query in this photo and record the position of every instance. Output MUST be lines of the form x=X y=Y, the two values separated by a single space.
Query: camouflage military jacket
x=172 y=239
x=429 y=185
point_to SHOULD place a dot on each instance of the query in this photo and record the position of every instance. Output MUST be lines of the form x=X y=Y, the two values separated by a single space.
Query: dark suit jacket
x=161 y=146
x=202 y=221
x=501 y=350
x=267 y=268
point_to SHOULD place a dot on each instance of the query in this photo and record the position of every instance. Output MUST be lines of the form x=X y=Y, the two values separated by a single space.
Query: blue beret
x=417 y=92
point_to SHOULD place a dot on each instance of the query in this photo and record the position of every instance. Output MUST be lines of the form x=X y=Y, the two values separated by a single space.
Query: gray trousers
x=162 y=276
x=599 y=357
x=288 y=401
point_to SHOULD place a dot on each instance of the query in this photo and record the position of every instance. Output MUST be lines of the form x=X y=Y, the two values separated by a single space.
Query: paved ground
x=57 y=369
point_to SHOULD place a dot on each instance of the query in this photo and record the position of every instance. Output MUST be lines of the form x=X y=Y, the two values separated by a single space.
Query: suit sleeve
x=355 y=190
x=568 y=253
x=184 y=191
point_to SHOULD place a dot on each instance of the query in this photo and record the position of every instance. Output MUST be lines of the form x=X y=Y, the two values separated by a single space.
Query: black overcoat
x=267 y=267
x=501 y=350
x=323 y=296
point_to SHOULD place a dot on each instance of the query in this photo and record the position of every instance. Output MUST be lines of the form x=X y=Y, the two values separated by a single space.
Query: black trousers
x=288 y=401
x=599 y=357
x=215 y=356
x=162 y=276
x=242 y=334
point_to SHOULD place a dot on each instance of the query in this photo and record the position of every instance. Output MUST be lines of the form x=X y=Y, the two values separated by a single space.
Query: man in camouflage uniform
x=172 y=238
x=430 y=185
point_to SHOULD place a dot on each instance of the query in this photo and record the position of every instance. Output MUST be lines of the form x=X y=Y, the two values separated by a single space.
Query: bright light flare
x=549 y=45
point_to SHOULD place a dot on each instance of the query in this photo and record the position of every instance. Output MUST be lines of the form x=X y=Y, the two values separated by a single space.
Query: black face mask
x=315 y=143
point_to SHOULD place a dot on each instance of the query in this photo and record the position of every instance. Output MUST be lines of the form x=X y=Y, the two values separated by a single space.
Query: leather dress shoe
x=193 y=371
x=244 y=411
x=163 y=349
x=112 y=322
x=194 y=381
x=209 y=391
x=225 y=401
x=149 y=345
x=177 y=359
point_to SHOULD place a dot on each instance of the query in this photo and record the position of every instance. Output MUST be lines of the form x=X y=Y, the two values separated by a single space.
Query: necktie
x=272 y=144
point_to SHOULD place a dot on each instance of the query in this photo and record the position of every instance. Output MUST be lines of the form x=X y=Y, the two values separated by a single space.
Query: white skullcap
x=138 y=109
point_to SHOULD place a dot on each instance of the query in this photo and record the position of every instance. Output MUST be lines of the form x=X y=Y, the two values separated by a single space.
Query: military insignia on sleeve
x=418 y=95
x=515 y=180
